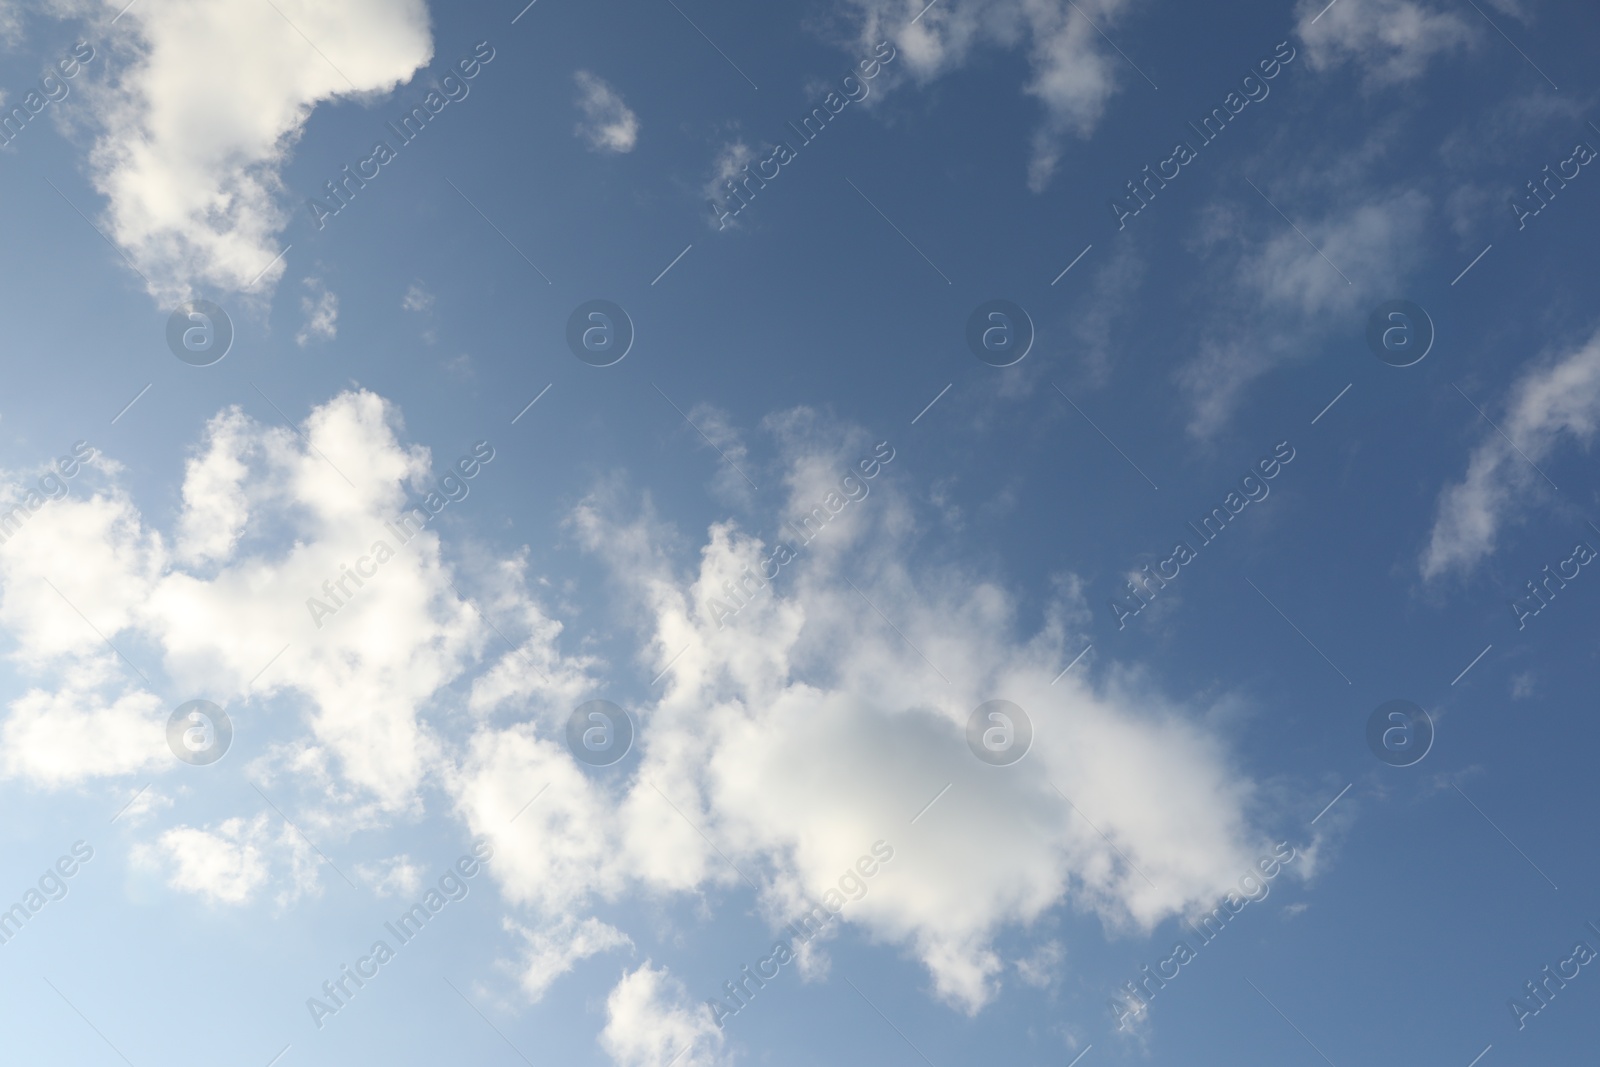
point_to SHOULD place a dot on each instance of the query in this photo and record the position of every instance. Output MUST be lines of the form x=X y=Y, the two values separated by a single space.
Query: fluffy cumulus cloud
x=1073 y=72
x=227 y=864
x=608 y=125
x=801 y=722
x=208 y=100
x=1387 y=41
x=803 y=730
x=1555 y=402
x=270 y=521
x=87 y=711
x=74 y=730
x=651 y=1019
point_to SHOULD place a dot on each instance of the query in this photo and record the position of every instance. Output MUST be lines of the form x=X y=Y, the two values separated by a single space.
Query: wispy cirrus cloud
x=1387 y=41
x=1555 y=402
x=1289 y=290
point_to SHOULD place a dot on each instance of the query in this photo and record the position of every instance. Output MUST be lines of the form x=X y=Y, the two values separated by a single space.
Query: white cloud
x=209 y=100
x=215 y=505
x=553 y=951
x=223 y=866
x=229 y=863
x=608 y=124
x=1112 y=297
x=1389 y=41
x=534 y=673
x=396 y=638
x=78 y=732
x=731 y=158
x=1074 y=75
x=1042 y=966
x=795 y=736
x=10 y=25
x=562 y=850
x=144 y=805
x=1283 y=294
x=417 y=298
x=1557 y=399
x=805 y=730
x=91 y=556
x=1504 y=136
x=321 y=309
x=1073 y=71
x=396 y=876
x=266 y=522
x=71 y=577
x=721 y=434
x=650 y=1019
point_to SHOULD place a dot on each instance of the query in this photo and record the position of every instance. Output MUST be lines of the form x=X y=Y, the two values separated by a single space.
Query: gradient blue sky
x=1220 y=323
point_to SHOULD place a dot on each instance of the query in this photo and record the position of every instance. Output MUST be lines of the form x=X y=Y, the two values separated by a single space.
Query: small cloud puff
x=609 y=125
x=417 y=298
x=321 y=308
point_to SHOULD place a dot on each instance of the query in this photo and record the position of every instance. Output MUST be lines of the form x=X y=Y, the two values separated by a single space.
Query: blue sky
x=805 y=706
